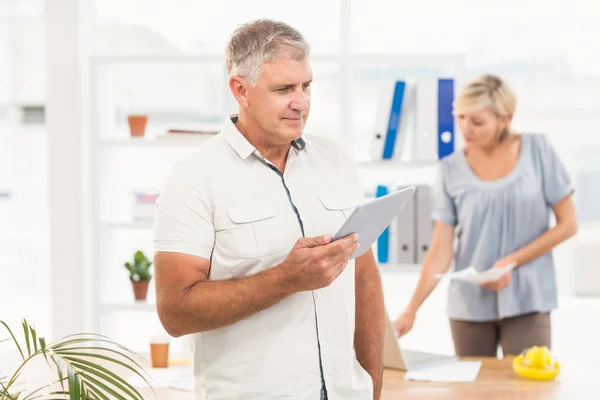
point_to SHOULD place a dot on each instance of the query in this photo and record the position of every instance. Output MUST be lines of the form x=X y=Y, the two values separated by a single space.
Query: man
x=244 y=259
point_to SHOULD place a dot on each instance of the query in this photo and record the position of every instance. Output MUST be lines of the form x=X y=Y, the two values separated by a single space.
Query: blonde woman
x=494 y=198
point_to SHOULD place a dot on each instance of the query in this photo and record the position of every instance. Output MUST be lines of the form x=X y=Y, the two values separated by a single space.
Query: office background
x=69 y=173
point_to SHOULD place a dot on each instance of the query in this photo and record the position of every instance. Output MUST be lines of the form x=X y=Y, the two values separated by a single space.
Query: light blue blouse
x=495 y=218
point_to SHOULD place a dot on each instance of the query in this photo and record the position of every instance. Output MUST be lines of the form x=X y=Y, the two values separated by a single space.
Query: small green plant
x=139 y=271
x=85 y=367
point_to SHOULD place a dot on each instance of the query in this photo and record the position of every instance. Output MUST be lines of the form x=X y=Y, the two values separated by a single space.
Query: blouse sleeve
x=556 y=182
x=442 y=206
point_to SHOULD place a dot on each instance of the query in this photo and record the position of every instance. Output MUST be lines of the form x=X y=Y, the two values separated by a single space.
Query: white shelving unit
x=146 y=306
x=116 y=156
x=125 y=225
x=156 y=143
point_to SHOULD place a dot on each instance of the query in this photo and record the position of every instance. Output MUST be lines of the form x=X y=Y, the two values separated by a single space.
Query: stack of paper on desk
x=470 y=274
x=460 y=371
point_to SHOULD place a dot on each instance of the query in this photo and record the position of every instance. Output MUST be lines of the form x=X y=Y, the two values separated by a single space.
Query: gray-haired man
x=244 y=259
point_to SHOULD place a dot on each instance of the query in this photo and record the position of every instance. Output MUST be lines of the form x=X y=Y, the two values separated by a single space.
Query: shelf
x=133 y=306
x=173 y=58
x=397 y=172
x=150 y=306
x=143 y=142
x=149 y=224
x=397 y=164
x=399 y=268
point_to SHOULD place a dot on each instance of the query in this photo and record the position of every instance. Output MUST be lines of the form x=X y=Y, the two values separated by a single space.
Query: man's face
x=280 y=102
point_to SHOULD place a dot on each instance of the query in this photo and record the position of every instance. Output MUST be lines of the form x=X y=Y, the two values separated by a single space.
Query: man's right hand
x=316 y=262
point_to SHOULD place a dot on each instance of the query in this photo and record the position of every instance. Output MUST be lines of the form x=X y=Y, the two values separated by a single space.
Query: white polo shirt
x=226 y=204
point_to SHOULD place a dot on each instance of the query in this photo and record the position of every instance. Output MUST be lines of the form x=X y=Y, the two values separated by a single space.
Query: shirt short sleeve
x=442 y=206
x=183 y=216
x=556 y=182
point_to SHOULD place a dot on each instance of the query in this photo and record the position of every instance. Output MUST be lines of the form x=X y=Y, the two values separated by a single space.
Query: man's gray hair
x=261 y=41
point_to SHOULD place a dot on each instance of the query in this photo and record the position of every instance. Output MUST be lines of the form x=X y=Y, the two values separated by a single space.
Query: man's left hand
x=502 y=282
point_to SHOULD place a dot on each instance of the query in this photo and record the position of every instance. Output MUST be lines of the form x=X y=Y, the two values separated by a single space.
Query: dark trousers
x=481 y=339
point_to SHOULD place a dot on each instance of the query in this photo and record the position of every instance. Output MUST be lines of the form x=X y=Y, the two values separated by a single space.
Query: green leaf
x=70 y=351
x=30 y=395
x=4 y=391
x=97 y=393
x=60 y=393
x=63 y=394
x=129 y=267
x=59 y=368
x=73 y=384
x=34 y=338
x=14 y=339
x=55 y=398
x=106 y=375
x=26 y=331
x=15 y=377
x=78 y=352
x=139 y=257
x=103 y=388
x=87 y=338
x=43 y=349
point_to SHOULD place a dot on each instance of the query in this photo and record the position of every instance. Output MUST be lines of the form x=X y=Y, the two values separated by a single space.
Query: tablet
x=371 y=218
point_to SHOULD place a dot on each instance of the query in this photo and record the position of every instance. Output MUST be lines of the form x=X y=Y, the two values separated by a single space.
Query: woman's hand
x=404 y=323
x=506 y=278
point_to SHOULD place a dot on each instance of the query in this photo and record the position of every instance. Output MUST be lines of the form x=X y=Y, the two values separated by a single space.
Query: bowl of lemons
x=536 y=363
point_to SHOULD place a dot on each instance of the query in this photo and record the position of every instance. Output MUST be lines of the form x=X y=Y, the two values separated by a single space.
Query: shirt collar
x=241 y=145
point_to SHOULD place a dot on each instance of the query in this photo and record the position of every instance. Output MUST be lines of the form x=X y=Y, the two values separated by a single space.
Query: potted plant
x=86 y=363
x=139 y=274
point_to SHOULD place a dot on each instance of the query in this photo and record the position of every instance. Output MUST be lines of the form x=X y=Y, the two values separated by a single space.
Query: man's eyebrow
x=283 y=84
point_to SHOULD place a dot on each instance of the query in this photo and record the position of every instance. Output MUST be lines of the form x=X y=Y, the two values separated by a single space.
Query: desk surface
x=496 y=380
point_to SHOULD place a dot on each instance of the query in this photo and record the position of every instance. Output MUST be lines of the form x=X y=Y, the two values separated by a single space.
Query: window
x=190 y=26
x=24 y=253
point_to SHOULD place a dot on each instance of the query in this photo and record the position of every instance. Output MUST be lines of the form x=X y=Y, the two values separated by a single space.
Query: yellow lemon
x=546 y=357
x=535 y=357
x=530 y=356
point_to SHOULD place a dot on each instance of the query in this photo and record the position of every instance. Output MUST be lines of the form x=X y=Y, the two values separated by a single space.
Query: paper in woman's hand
x=470 y=274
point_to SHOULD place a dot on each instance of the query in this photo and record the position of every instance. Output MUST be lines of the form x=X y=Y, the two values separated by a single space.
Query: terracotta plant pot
x=140 y=289
x=137 y=124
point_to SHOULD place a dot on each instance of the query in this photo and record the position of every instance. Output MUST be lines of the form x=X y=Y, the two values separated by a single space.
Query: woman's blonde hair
x=488 y=91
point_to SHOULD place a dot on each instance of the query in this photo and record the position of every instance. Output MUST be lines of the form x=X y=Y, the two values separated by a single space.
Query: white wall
x=553 y=66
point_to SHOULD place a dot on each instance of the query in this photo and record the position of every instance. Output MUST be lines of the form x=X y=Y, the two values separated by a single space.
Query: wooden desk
x=496 y=380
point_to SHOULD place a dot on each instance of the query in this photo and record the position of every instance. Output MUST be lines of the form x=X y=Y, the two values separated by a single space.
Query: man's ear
x=238 y=87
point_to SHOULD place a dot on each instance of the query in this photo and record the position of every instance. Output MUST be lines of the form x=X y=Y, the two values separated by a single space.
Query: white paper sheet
x=460 y=371
x=470 y=274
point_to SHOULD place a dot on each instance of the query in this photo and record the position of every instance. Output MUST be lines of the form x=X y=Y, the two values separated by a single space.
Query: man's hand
x=316 y=262
x=502 y=282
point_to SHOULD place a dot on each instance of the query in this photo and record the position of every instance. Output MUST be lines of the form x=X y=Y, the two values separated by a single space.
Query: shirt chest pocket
x=252 y=230
x=335 y=207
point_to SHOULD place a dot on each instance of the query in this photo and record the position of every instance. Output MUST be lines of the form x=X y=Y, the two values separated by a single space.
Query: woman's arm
x=437 y=261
